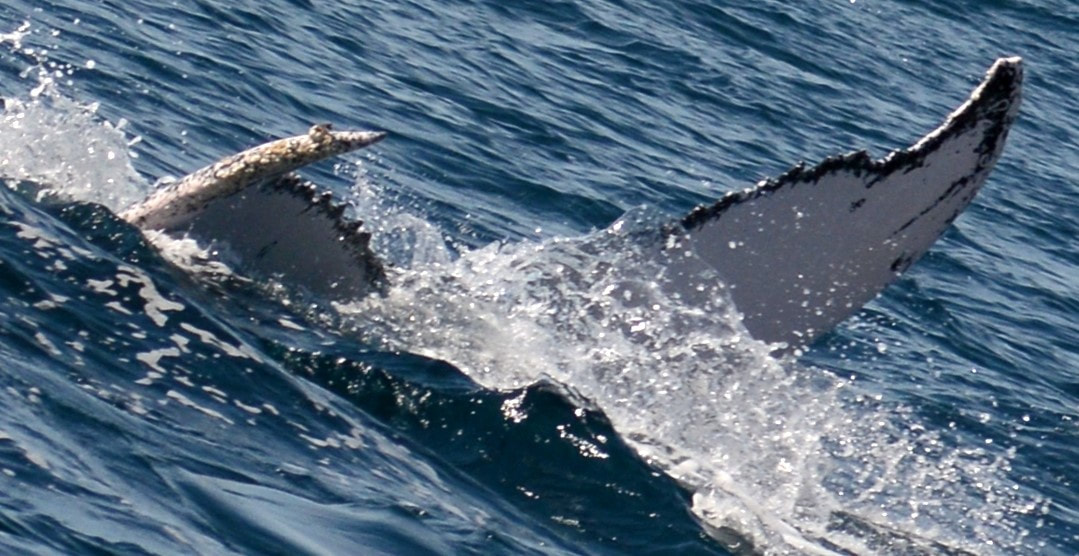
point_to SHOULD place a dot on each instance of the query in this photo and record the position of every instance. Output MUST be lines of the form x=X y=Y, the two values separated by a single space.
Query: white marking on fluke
x=799 y=253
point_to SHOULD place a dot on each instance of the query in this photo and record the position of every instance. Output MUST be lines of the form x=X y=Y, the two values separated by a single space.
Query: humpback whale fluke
x=807 y=249
x=798 y=253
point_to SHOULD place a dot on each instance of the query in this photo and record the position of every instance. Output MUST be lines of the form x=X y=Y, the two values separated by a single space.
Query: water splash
x=59 y=147
x=798 y=459
x=14 y=38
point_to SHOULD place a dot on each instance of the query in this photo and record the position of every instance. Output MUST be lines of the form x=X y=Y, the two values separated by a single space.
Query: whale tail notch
x=801 y=252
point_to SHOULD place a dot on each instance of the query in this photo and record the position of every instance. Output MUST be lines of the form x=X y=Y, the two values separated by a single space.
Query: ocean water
x=152 y=401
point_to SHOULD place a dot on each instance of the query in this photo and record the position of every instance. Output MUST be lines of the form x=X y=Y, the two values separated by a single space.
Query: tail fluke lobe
x=169 y=208
x=265 y=219
x=804 y=251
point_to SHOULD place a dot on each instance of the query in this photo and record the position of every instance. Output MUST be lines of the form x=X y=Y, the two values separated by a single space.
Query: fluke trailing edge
x=799 y=253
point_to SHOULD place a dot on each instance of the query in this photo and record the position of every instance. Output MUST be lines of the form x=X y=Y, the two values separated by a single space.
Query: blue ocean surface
x=153 y=401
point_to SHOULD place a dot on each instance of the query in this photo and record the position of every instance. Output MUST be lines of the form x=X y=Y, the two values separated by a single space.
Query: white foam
x=187 y=402
x=61 y=144
x=240 y=351
x=155 y=305
x=771 y=448
x=152 y=358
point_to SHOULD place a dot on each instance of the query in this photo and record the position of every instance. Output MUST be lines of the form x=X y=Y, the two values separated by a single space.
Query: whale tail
x=798 y=253
x=801 y=252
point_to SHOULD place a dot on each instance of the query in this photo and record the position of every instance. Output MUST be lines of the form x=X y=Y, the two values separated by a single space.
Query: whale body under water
x=797 y=253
